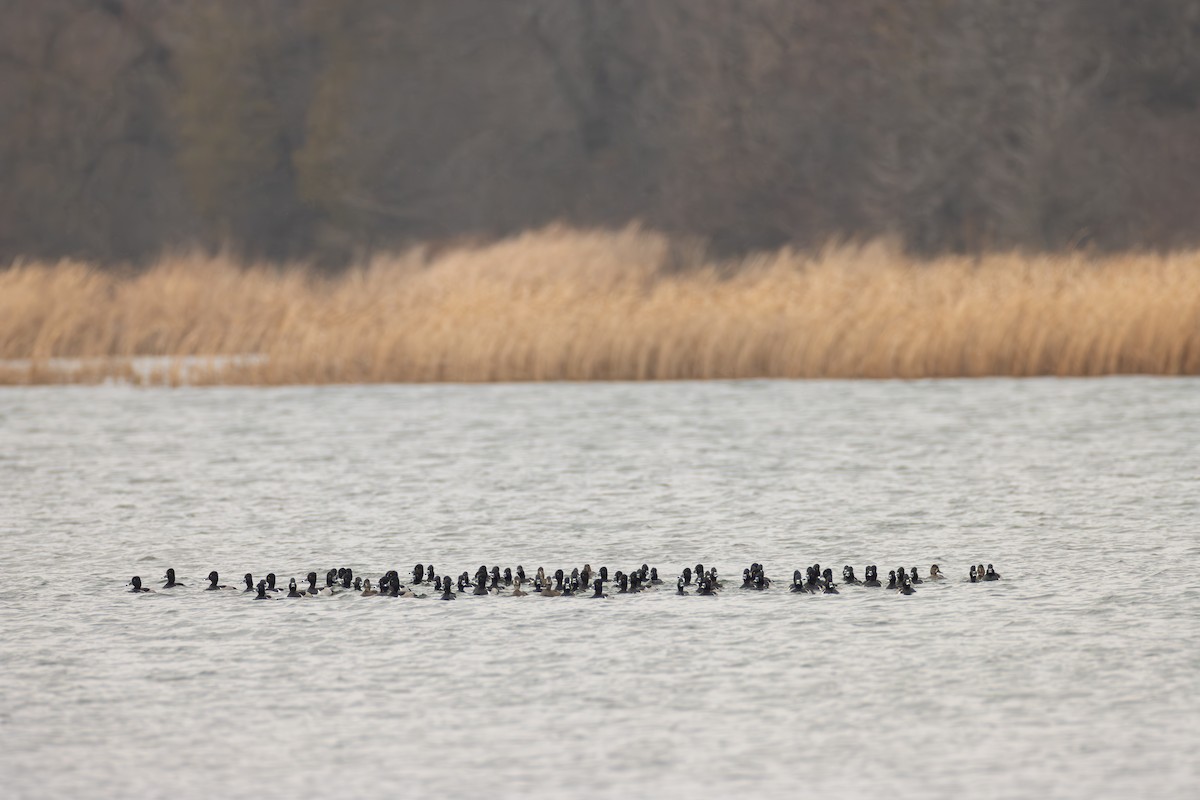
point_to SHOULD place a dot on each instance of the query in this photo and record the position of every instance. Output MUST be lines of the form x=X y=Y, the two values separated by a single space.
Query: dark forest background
x=328 y=129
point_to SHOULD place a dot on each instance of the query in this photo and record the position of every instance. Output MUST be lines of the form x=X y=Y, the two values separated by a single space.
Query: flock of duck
x=700 y=581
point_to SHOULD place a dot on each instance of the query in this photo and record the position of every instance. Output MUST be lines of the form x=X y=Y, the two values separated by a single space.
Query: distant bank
x=560 y=304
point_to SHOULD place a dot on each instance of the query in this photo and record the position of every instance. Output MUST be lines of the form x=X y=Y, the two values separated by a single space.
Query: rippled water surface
x=1077 y=675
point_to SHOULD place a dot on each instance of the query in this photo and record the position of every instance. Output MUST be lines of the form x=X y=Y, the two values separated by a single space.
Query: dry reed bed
x=559 y=304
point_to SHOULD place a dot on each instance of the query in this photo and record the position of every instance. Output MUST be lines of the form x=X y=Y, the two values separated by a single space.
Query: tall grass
x=560 y=304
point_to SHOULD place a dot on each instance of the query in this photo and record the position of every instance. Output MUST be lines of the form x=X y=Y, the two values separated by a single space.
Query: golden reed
x=560 y=304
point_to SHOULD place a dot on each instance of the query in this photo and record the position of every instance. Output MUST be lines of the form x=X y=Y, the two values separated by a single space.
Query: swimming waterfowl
x=521 y=574
x=550 y=591
x=747 y=581
x=705 y=589
x=679 y=586
x=991 y=574
x=347 y=575
x=598 y=589
x=136 y=583
x=508 y=578
x=714 y=580
x=430 y=574
x=891 y=579
x=980 y=572
x=447 y=594
x=480 y=588
x=262 y=592
x=171 y=582
x=654 y=579
x=913 y=577
x=358 y=584
x=312 y=584
x=935 y=574
x=906 y=588
x=831 y=588
x=973 y=577
x=604 y=574
x=418 y=573
x=827 y=576
x=249 y=579
x=516 y=592
x=271 y=583
x=848 y=576
x=622 y=583
x=292 y=589
x=813 y=580
x=367 y=591
x=212 y=582
x=798 y=583
x=872 y=580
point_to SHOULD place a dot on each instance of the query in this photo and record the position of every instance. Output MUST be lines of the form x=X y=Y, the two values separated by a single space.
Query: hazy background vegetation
x=331 y=129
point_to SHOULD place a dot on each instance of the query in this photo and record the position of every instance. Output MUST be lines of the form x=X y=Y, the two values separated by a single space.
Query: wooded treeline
x=328 y=129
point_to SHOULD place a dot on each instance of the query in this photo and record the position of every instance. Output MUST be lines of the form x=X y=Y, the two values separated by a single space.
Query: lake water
x=1077 y=675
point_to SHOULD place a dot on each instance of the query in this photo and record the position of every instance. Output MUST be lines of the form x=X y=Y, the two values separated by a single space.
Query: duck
x=654 y=579
x=347 y=576
x=913 y=577
x=447 y=592
x=604 y=574
x=827 y=576
x=136 y=583
x=262 y=592
x=813 y=580
x=508 y=576
x=798 y=583
x=872 y=577
x=249 y=579
x=550 y=591
x=171 y=582
x=271 y=583
x=367 y=591
x=973 y=577
x=980 y=572
x=687 y=576
x=891 y=579
x=516 y=592
x=935 y=574
x=418 y=573
x=831 y=588
x=598 y=590
x=481 y=588
x=292 y=589
x=212 y=582
x=906 y=588
x=430 y=575
x=991 y=574
x=747 y=581
x=712 y=579
x=312 y=584
x=358 y=584
x=848 y=576
x=622 y=583
x=520 y=573
x=328 y=588
x=705 y=589
x=679 y=586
